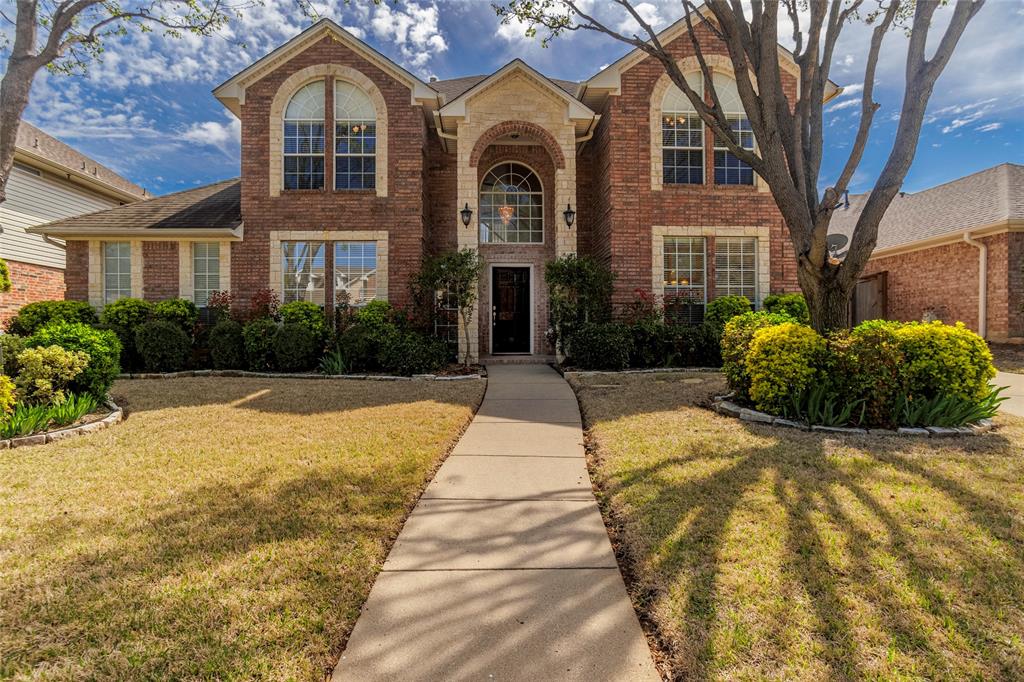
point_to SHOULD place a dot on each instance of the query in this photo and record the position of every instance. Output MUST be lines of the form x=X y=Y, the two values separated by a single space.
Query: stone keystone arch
x=506 y=127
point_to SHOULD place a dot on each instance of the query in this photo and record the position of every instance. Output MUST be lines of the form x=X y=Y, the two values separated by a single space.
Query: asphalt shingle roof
x=453 y=87
x=216 y=206
x=983 y=198
x=34 y=141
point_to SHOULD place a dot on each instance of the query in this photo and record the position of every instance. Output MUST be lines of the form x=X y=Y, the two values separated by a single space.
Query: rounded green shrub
x=6 y=395
x=227 y=349
x=45 y=373
x=294 y=347
x=123 y=317
x=602 y=345
x=696 y=346
x=407 y=353
x=783 y=360
x=651 y=343
x=41 y=313
x=794 y=305
x=179 y=311
x=719 y=311
x=163 y=346
x=942 y=359
x=10 y=346
x=376 y=313
x=360 y=345
x=736 y=337
x=258 y=338
x=309 y=315
x=867 y=364
x=5 y=276
x=101 y=345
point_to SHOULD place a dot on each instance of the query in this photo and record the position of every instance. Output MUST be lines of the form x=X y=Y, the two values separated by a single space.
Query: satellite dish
x=836 y=242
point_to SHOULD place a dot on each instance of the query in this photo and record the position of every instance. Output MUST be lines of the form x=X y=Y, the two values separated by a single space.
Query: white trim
x=490 y=303
x=277 y=236
x=543 y=206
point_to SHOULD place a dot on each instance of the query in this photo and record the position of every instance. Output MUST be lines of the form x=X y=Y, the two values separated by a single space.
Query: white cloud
x=961 y=122
x=224 y=135
x=853 y=88
x=844 y=104
x=648 y=12
x=989 y=127
x=413 y=28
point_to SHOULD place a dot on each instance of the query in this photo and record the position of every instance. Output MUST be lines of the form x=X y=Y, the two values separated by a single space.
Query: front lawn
x=229 y=529
x=754 y=552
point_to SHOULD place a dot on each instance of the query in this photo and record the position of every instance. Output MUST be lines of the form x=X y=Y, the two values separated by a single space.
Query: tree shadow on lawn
x=241 y=579
x=289 y=396
x=762 y=551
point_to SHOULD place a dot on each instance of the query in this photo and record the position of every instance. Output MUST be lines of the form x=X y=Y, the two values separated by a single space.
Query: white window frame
x=122 y=259
x=204 y=271
x=285 y=154
x=735 y=115
x=670 y=289
x=674 y=105
x=304 y=293
x=349 y=121
x=724 y=252
x=337 y=270
x=543 y=208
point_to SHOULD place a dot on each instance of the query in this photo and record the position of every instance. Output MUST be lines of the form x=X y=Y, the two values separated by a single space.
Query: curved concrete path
x=1015 y=391
x=504 y=570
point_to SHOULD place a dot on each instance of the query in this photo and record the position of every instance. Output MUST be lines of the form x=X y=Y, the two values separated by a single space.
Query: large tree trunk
x=14 y=92
x=828 y=298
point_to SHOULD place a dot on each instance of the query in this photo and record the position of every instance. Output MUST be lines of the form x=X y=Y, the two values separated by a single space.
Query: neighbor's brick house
x=937 y=246
x=49 y=181
x=353 y=170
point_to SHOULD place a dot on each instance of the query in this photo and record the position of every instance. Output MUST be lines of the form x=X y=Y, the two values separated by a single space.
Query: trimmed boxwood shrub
x=309 y=315
x=408 y=353
x=651 y=343
x=944 y=359
x=258 y=337
x=163 y=346
x=736 y=338
x=793 y=305
x=602 y=346
x=227 y=349
x=695 y=346
x=867 y=364
x=294 y=348
x=123 y=317
x=719 y=311
x=101 y=345
x=45 y=373
x=783 y=360
x=36 y=315
x=360 y=344
x=179 y=311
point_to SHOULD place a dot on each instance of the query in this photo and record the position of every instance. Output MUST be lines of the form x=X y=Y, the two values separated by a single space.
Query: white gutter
x=982 y=283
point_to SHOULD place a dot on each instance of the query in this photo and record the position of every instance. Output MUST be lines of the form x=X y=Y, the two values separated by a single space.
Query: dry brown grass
x=229 y=529
x=760 y=553
x=1008 y=357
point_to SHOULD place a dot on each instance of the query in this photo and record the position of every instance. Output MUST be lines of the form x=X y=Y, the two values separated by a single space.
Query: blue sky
x=146 y=109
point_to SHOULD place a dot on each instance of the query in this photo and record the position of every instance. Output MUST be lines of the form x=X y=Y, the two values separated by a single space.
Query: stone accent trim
x=96 y=270
x=379 y=236
x=506 y=127
x=322 y=72
x=763 y=235
x=138 y=289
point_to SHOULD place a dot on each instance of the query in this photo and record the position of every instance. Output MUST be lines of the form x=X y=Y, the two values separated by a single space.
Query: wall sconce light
x=467 y=215
x=570 y=215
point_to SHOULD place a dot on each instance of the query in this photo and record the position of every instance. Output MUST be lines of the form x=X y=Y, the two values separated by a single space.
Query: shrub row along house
x=49 y=181
x=353 y=170
x=953 y=253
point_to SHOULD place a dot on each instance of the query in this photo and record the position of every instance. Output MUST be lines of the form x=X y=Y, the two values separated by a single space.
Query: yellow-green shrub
x=44 y=372
x=6 y=395
x=783 y=359
x=942 y=359
x=736 y=342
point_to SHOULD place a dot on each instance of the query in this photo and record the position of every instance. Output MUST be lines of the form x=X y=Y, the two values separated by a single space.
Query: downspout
x=982 y=283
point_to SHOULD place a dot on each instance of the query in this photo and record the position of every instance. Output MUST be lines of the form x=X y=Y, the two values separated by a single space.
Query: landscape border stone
x=245 y=374
x=725 y=407
x=115 y=416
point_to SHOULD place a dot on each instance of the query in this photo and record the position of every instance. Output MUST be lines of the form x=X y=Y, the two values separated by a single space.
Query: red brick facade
x=160 y=270
x=30 y=283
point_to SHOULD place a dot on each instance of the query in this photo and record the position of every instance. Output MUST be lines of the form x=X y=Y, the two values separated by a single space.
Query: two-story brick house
x=353 y=169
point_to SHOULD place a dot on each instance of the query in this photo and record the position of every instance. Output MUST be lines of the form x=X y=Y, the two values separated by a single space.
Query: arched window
x=729 y=170
x=304 y=138
x=511 y=206
x=682 y=136
x=355 y=138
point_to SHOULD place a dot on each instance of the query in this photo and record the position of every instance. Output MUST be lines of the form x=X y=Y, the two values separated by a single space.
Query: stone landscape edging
x=723 y=406
x=245 y=374
x=115 y=416
x=651 y=370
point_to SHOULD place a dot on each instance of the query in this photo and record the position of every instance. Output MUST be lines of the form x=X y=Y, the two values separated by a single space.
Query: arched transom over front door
x=511 y=206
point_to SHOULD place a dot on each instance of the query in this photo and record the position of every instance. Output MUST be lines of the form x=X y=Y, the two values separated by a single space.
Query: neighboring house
x=953 y=253
x=49 y=181
x=353 y=169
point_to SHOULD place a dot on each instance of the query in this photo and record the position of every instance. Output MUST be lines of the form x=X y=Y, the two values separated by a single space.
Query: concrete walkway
x=1015 y=390
x=504 y=570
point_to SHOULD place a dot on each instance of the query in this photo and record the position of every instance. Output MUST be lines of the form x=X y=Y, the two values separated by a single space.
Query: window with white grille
x=302 y=267
x=355 y=271
x=117 y=271
x=205 y=271
x=684 y=269
x=736 y=267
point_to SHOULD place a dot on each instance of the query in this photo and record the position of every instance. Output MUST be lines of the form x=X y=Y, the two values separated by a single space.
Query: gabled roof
x=992 y=198
x=453 y=87
x=209 y=211
x=609 y=78
x=232 y=91
x=456 y=107
x=44 y=152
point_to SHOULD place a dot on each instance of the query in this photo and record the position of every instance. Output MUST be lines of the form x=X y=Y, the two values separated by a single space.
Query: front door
x=510 y=310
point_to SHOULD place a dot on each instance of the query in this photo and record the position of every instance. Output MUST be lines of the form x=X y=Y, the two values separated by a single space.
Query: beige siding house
x=50 y=181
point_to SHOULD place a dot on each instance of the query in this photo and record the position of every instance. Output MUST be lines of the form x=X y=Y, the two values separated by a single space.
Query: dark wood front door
x=510 y=310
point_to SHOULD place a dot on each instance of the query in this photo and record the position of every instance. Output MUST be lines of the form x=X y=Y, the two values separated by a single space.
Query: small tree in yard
x=789 y=133
x=454 y=275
